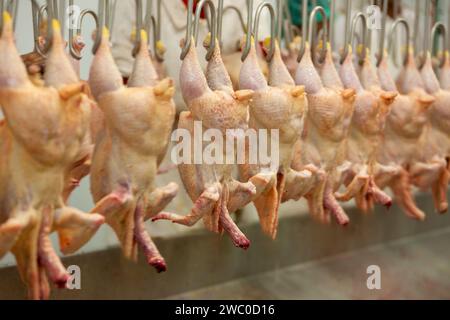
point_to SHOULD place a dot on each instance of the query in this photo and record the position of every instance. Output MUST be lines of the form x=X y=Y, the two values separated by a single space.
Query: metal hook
x=416 y=26
x=259 y=10
x=49 y=7
x=421 y=54
x=304 y=29
x=362 y=17
x=139 y=27
x=194 y=33
x=439 y=26
x=393 y=34
x=101 y=20
x=379 y=58
x=348 y=14
x=220 y=12
x=248 y=38
x=153 y=24
x=332 y=18
x=312 y=20
x=83 y=14
x=279 y=19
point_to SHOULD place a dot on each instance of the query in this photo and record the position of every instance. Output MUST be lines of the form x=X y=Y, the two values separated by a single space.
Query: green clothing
x=295 y=7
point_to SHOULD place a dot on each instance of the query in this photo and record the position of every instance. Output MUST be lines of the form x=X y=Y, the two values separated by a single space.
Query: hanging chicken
x=138 y=121
x=369 y=117
x=279 y=105
x=428 y=172
x=213 y=104
x=329 y=116
x=42 y=134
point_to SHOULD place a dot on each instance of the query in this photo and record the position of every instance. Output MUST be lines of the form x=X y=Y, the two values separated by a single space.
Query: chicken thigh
x=369 y=117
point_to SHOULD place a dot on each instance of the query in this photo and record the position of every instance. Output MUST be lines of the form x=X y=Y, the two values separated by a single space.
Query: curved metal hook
x=248 y=37
x=439 y=26
x=219 y=22
x=259 y=10
x=279 y=19
x=49 y=37
x=101 y=20
x=304 y=29
x=348 y=14
x=312 y=20
x=151 y=26
x=393 y=34
x=194 y=33
x=139 y=27
x=362 y=54
x=83 y=14
x=379 y=58
x=332 y=18
x=421 y=54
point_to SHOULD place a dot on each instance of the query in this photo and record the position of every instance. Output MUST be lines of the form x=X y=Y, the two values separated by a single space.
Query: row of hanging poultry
x=345 y=133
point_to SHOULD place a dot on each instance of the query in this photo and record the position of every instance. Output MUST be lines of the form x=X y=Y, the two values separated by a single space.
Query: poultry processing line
x=338 y=128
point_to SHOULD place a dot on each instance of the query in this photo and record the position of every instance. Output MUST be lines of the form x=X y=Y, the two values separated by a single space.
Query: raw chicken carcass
x=429 y=168
x=404 y=126
x=213 y=104
x=138 y=122
x=439 y=115
x=82 y=164
x=330 y=109
x=369 y=117
x=41 y=136
x=278 y=105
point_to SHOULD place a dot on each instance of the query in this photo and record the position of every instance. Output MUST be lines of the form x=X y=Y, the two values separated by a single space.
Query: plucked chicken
x=330 y=109
x=428 y=172
x=138 y=121
x=404 y=127
x=371 y=110
x=213 y=104
x=279 y=105
x=37 y=150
